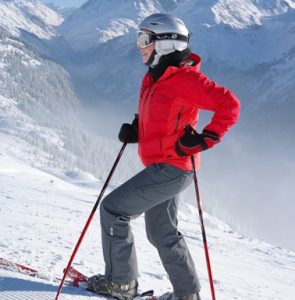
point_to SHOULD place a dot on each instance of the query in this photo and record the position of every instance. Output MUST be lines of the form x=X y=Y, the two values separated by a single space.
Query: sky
x=67 y=3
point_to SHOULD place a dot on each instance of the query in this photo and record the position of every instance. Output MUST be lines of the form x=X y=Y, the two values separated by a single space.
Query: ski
x=9 y=265
x=76 y=276
x=19 y=268
x=79 y=279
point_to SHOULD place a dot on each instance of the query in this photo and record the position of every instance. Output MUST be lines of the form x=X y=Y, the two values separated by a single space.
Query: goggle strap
x=169 y=36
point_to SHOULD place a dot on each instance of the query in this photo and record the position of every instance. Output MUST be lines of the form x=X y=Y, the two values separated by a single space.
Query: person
x=172 y=93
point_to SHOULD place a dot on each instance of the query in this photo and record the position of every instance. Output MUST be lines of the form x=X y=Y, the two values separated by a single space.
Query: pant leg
x=150 y=187
x=161 y=227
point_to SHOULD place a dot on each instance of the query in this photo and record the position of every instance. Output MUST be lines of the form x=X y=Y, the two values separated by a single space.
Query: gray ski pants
x=154 y=191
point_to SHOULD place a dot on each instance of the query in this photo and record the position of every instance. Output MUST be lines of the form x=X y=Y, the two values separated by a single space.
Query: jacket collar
x=193 y=64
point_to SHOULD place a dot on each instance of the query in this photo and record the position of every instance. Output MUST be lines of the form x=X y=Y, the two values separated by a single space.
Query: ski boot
x=123 y=291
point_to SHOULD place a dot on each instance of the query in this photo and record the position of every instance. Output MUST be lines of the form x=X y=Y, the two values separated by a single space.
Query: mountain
x=96 y=22
x=66 y=12
x=28 y=15
x=99 y=22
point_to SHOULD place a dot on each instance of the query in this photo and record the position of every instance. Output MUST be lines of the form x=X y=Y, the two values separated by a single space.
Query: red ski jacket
x=172 y=102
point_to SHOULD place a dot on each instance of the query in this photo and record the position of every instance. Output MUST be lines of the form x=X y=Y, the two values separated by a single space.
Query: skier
x=172 y=93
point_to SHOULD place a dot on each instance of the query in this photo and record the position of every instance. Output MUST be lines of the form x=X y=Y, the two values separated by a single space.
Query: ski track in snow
x=42 y=217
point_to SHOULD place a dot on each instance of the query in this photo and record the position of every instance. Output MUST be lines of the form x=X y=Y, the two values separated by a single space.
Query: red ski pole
x=203 y=230
x=89 y=220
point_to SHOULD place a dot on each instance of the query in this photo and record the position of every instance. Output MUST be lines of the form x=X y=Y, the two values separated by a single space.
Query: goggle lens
x=144 y=39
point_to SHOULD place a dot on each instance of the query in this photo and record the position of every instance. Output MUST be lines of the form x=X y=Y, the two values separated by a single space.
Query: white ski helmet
x=167 y=32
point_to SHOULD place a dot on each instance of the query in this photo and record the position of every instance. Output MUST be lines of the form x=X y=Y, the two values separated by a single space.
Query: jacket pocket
x=178 y=119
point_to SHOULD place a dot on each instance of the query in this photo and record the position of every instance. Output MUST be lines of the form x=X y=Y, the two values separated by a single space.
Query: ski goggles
x=145 y=39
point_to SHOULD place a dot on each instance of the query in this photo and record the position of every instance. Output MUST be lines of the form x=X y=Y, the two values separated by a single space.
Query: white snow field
x=42 y=216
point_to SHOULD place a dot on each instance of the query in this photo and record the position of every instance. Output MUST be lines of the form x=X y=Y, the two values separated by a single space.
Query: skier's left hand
x=192 y=142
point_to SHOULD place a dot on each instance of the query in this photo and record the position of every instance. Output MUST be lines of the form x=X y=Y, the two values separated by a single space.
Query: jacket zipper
x=178 y=119
x=150 y=102
x=143 y=106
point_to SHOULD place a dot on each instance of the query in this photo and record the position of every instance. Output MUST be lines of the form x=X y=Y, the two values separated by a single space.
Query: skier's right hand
x=193 y=142
x=129 y=132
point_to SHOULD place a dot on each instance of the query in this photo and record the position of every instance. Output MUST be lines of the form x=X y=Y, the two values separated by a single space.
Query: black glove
x=192 y=142
x=129 y=132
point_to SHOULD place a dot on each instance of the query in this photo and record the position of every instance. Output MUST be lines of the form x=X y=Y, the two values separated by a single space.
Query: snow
x=241 y=14
x=43 y=209
x=31 y=16
x=43 y=213
x=9 y=48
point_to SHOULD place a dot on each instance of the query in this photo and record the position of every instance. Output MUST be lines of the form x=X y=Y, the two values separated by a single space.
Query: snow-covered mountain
x=64 y=11
x=99 y=22
x=29 y=15
x=241 y=14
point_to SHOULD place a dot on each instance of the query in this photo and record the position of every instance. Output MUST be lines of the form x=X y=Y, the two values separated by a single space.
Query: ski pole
x=89 y=219
x=203 y=230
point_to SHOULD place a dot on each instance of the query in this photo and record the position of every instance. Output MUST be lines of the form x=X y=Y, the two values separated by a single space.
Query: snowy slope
x=247 y=45
x=28 y=15
x=42 y=216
